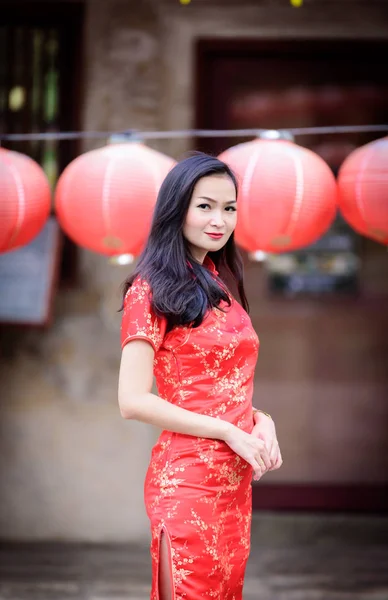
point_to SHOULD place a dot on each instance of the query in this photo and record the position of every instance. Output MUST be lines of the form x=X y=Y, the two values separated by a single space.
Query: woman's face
x=212 y=210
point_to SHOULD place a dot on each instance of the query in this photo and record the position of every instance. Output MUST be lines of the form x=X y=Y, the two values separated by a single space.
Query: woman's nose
x=217 y=220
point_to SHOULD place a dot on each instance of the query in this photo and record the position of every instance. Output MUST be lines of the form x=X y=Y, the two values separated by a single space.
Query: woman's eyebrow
x=212 y=200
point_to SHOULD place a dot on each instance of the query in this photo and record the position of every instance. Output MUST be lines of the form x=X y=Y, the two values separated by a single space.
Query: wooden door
x=40 y=70
x=323 y=364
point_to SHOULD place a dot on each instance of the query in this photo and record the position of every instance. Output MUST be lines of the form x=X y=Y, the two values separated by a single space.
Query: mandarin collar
x=210 y=265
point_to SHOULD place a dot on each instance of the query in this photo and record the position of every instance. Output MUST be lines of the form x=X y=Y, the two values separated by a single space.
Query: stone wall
x=70 y=467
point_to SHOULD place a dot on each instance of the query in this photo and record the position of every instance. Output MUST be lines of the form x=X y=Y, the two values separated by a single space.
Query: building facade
x=70 y=467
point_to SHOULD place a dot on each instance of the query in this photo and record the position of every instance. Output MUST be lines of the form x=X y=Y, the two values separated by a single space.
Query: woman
x=182 y=323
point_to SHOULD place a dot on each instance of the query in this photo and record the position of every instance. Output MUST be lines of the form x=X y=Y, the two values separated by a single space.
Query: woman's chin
x=213 y=245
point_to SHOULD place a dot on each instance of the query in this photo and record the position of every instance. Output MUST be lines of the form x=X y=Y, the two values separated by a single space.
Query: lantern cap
x=124 y=137
x=257 y=256
x=122 y=259
x=275 y=134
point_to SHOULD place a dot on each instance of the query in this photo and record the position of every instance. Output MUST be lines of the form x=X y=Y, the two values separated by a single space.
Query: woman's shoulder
x=139 y=290
x=139 y=282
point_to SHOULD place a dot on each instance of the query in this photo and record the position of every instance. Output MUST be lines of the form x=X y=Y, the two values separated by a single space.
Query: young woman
x=181 y=323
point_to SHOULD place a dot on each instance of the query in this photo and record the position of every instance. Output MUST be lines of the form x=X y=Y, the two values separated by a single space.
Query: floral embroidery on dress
x=138 y=320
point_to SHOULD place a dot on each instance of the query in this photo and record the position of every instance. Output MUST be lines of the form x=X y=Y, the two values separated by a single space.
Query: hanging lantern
x=363 y=190
x=105 y=198
x=287 y=194
x=25 y=199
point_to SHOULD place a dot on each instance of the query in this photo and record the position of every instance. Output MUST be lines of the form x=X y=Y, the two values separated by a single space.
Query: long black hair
x=183 y=290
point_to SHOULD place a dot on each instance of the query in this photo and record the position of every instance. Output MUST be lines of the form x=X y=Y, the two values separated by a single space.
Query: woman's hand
x=252 y=449
x=264 y=430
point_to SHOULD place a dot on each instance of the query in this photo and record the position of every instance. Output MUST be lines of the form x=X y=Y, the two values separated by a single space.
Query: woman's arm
x=137 y=402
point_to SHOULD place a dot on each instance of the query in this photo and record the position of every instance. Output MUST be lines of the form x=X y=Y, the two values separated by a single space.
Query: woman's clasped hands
x=260 y=448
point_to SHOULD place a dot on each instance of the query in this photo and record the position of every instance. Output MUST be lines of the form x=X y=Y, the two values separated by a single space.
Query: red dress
x=197 y=490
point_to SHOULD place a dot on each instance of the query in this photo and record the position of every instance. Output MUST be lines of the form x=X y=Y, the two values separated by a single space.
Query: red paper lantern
x=287 y=195
x=363 y=190
x=105 y=198
x=25 y=199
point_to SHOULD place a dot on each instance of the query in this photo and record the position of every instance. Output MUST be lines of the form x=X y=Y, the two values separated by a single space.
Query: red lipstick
x=215 y=236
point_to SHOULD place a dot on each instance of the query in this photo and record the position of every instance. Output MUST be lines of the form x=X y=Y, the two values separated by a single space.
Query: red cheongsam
x=197 y=490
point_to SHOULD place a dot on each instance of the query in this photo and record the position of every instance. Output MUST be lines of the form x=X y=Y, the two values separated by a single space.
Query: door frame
x=296 y=497
x=69 y=17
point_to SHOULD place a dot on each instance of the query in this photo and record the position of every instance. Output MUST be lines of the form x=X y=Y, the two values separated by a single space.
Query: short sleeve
x=138 y=320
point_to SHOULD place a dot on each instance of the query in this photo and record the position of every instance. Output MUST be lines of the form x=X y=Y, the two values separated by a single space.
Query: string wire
x=133 y=134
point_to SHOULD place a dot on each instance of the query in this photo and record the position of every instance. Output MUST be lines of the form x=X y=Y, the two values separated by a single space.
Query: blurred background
x=71 y=470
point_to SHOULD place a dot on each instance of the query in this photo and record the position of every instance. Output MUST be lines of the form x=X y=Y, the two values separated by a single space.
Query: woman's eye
x=228 y=208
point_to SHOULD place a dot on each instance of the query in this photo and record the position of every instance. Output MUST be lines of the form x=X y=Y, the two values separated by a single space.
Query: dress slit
x=164 y=531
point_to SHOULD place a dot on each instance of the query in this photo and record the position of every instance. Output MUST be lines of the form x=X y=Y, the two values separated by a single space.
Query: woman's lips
x=215 y=236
